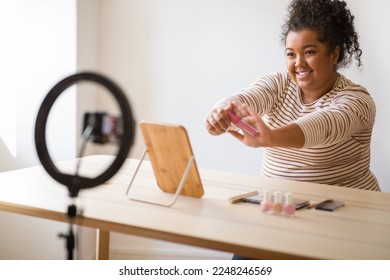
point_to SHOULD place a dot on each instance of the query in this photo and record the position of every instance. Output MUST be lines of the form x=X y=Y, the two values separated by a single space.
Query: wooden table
x=360 y=230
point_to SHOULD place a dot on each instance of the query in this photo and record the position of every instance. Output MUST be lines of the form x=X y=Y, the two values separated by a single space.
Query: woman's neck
x=309 y=96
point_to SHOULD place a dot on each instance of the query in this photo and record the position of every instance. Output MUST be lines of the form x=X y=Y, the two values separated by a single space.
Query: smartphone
x=241 y=124
x=329 y=205
x=105 y=128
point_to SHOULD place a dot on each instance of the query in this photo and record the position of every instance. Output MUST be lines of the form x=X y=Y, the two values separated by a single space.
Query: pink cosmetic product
x=288 y=207
x=277 y=207
x=241 y=124
x=266 y=203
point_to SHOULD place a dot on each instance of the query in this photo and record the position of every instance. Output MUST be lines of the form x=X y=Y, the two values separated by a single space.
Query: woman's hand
x=217 y=121
x=263 y=136
x=287 y=136
x=290 y=135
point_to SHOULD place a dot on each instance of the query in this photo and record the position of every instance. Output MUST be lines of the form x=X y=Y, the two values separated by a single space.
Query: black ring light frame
x=74 y=182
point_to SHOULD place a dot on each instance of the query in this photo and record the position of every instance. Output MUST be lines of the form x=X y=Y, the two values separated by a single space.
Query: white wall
x=38 y=49
x=176 y=58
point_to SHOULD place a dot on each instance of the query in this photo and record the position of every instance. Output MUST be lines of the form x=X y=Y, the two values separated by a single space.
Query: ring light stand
x=74 y=182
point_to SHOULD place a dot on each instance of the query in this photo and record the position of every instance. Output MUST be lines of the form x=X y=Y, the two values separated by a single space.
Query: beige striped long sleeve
x=337 y=129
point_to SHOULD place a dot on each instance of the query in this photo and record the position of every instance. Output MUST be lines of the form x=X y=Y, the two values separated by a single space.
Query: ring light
x=74 y=182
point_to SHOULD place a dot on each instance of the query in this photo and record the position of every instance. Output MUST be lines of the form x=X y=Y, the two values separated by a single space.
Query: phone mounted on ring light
x=105 y=128
x=74 y=182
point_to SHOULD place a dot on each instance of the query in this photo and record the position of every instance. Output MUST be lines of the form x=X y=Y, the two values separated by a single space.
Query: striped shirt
x=337 y=129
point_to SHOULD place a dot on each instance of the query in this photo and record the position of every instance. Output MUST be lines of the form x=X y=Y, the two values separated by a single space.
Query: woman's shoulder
x=345 y=85
x=353 y=94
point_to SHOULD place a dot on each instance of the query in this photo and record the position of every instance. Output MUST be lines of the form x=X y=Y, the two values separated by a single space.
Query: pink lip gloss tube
x=288 y=207
x=241 y=124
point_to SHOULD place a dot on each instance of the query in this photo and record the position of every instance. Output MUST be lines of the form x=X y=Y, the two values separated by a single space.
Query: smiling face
x=310 y=63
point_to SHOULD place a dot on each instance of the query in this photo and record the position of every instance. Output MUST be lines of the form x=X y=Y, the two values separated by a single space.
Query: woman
x=314 y=123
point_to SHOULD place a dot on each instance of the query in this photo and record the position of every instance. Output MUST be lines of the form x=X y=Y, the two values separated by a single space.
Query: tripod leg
x=70 y=237
x=70 y=242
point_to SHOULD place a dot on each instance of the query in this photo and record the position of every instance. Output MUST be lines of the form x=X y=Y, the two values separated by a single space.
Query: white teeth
x=303 y=74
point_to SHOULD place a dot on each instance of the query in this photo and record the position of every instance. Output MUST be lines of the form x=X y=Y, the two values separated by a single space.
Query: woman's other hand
x=217 y=120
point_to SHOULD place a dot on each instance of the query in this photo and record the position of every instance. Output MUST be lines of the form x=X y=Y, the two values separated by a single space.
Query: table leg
x=102 y=244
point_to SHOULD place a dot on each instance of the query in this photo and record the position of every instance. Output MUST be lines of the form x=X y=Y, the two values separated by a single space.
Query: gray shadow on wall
x=7 y=160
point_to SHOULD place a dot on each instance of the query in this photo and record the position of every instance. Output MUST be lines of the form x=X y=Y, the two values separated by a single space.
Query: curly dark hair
x=332 y=20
